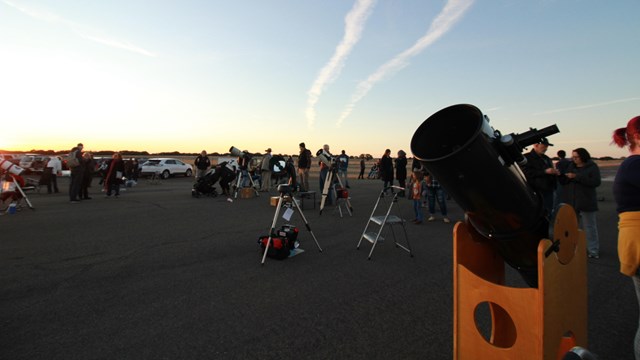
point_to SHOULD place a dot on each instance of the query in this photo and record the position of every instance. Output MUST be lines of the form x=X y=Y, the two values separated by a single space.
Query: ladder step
x=371 y=237
x=392 y=219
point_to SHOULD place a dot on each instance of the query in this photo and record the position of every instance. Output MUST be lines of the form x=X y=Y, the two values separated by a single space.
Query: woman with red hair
x=626 y=191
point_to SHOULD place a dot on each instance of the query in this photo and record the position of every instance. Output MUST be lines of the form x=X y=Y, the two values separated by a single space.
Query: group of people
x=568 y=181
x=423 y=189
x=83 y=166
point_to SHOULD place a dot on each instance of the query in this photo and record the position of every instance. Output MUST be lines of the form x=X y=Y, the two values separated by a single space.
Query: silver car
x=166 y=167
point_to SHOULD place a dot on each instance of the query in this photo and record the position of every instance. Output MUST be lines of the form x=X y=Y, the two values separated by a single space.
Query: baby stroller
x=206 y=184
x=374 y=173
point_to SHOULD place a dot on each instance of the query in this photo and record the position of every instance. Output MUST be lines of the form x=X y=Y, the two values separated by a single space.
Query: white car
x=165 y=167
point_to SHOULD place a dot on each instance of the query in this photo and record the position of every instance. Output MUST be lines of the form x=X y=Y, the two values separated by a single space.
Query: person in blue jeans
x=343 y=166
x=418 y=189
x=436 y=192
x=579 y=185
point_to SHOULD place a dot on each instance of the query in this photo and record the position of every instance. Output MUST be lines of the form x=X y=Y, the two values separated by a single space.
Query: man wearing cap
x=304 y=164
x=265 y=173
x=541 y=174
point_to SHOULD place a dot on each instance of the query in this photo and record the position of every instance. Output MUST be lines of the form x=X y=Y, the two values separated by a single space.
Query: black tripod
x=285 y=190
x=328 y=186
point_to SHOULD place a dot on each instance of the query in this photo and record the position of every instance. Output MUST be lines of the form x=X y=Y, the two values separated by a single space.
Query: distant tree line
x=178 y=153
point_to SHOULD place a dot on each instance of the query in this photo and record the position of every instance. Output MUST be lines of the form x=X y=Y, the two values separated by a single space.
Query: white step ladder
x=374 y=237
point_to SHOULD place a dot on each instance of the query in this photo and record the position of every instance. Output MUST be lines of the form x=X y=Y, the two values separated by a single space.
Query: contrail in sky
x=354 y=24
x=452 y=12
x=79 y=29
x=589 y=106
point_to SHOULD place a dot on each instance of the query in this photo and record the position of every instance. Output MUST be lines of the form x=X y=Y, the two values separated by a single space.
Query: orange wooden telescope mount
x=526 y=323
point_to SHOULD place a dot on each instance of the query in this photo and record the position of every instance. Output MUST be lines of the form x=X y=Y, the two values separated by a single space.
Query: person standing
x=77 y=171
x=266 y=170
x=541 y=174
x=361 y=175
x=343 y=167
x=54 y=166
x=401 y=170
x=89 y=169
x=114 y=175
x=561 y=165
x=304 y=166
x=579 y=185
x=202 y=164
x=626 y=192
x=135 y=168
x=418 y=191
x=435 y=192
x=386 y=169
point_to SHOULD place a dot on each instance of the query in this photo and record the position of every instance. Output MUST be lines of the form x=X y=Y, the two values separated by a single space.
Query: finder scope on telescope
x=479 y=168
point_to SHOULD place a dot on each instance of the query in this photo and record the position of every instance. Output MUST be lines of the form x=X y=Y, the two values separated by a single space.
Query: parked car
x=166 y=167
x=11 y=158
x=33 y=162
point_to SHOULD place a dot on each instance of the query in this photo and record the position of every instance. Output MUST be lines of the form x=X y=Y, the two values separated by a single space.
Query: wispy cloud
x=588 y=106
x=354 y=24
x=82 y=31
x=119 y=44
x=452 y=12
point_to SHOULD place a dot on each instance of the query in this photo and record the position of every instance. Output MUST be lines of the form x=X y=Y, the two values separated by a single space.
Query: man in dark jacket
x=77 y=172
x=541 y=174
x=304 y=165
x=202 y=163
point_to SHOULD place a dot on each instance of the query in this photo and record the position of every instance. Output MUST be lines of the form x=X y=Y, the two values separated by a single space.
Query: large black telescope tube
x=461 y=150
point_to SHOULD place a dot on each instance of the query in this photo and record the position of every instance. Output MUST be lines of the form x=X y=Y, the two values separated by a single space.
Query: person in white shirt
x=55 y=166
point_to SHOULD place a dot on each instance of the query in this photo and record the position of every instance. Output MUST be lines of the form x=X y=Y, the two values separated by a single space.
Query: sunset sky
x=361 y=76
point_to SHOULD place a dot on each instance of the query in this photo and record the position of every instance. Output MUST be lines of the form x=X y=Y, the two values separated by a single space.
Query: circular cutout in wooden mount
x=565 y=231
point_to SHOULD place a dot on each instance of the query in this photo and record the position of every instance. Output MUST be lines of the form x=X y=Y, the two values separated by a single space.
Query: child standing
x=418 y=190
x=436 y=192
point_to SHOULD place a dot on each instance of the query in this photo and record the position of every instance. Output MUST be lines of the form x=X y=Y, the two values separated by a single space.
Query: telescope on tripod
x=479 y=168
x=332 y=175
x=244 y=175
x=13 y=173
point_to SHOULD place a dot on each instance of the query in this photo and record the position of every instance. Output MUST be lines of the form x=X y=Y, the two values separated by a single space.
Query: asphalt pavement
x=158 y=274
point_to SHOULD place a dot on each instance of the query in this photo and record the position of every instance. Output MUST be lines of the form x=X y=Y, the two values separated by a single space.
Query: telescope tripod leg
x=325 y=189
x=239 y=179
x=306 y=223
x=273 y=227
x=349 y=208
x=24 y=196
x=253 y=184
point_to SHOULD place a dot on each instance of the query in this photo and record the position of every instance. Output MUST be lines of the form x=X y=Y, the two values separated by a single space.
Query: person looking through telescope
x=541 y=174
